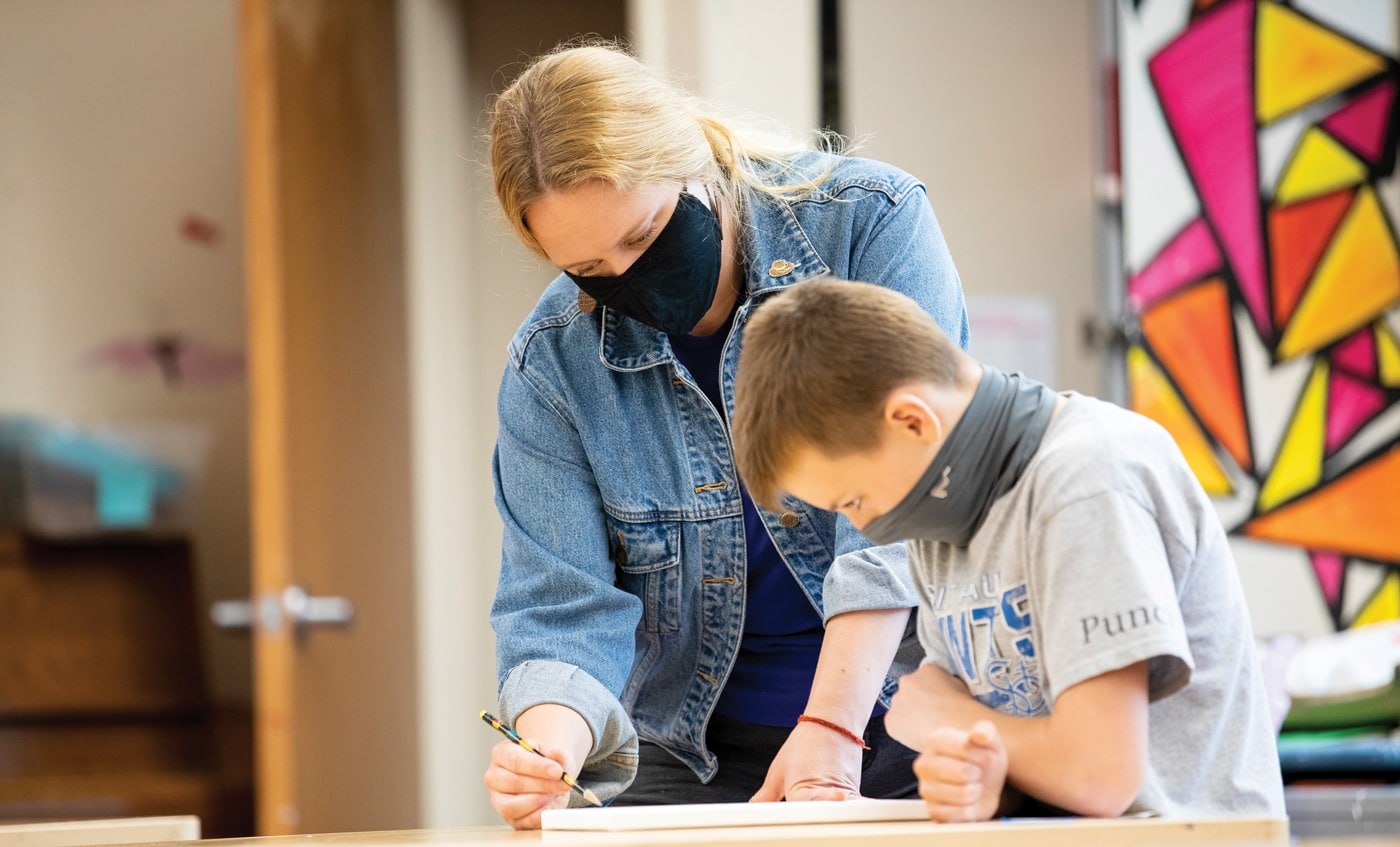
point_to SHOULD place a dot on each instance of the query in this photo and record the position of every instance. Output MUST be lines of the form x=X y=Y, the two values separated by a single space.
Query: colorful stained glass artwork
x=1356 y=280
x=1298 y=467
x=1268 y=322
x=1359 y=586
x=1199 y=6
x=1351 y=403
x=1354 y=514
x=1298 y=235
x=1189 y=257
x=1365 y=122
x=1329 y=568
x=1194 y=339
x=1300 y=61
x=1318 y=165
x=1152 y=394
x=1383 y=605
x=1357 y=355
x=1204 y=81
x=1387 y=356
x=1278 y=142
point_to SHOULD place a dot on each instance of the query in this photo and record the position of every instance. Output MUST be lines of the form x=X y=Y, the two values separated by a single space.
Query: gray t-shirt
x=1105 y=553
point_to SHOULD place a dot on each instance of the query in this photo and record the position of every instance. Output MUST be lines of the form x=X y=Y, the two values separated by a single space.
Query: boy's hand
x=962 y=773
x=814 y=763
x=927 y=698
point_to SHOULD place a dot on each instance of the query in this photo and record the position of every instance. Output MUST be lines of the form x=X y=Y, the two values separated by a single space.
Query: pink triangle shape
x=1189 y=256
x=1350 y=404
x=1205 y=84
x=1362 y=123
x=1328 y=568
x=1357 y=355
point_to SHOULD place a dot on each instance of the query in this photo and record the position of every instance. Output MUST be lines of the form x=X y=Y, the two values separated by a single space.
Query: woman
x=654 y=628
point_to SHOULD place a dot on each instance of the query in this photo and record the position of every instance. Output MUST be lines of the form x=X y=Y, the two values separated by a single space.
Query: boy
x=1087 y=637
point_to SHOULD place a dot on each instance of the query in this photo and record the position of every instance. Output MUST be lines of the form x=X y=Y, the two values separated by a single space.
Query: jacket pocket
x=647 y=556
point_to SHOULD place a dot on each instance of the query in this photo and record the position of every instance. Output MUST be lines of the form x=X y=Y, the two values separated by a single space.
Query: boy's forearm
x=1088 y=756
x=1068 y=772
x=856 y=654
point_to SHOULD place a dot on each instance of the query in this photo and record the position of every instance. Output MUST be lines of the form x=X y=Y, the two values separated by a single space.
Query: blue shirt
x=772 y=675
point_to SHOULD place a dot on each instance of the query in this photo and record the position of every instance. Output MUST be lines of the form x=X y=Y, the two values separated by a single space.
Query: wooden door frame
x=274 y=718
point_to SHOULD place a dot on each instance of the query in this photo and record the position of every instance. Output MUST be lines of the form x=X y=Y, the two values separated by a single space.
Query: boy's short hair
x=817 y=364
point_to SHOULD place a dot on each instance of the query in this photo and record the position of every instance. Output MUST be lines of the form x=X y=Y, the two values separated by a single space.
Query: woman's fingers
x=523 y=785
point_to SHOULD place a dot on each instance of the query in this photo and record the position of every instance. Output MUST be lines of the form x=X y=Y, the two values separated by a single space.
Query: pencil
x=514 y=736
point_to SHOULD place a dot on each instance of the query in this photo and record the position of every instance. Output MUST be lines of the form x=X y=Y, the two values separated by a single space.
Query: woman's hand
x=815 y=763
x=962 y=773
x=522 y=784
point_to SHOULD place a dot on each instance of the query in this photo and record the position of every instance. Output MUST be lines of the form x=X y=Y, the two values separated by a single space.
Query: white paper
x=696 y=815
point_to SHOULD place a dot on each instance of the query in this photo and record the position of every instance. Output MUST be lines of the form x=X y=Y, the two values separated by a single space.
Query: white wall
x=455 y=526
x=991 y=103
x=117 y=120
x=756 y=58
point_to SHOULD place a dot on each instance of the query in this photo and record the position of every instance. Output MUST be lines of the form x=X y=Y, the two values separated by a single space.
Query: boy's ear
x=908 y=413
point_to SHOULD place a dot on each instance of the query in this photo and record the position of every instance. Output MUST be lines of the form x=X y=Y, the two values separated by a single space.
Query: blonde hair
x=592 y=111
x=818 y=363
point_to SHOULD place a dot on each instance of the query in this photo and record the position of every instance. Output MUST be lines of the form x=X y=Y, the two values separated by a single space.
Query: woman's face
x=597 y=230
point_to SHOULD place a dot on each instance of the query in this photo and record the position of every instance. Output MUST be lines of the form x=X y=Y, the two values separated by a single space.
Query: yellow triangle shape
x=1357 y=279
x=1298 y=467
x=1320 y=164
x=1153 y=396
x=1383 y=606
x=1298 y=62
x=1387 y=356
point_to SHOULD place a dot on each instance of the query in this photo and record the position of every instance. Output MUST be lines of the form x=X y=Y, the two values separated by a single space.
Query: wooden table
x=89 y=832
x=1241 y=832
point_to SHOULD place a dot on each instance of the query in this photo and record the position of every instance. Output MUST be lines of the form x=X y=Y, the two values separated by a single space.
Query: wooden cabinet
x=103 y=705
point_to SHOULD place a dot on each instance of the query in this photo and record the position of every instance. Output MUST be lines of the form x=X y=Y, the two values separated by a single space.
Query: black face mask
x=672 y=284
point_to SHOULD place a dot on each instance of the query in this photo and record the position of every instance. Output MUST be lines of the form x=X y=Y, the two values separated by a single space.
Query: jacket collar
x=776 y=254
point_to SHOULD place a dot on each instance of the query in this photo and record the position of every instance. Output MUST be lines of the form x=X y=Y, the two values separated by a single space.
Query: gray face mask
x=982 y=458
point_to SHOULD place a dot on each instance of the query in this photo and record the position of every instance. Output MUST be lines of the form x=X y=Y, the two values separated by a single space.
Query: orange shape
x=1298 y=61
x=1298 y=234
x=1193 y=335
x=1356 y=280
x=1152 y=395
x=1353 y=515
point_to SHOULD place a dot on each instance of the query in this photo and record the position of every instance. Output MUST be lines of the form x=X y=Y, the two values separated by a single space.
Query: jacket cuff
x=611 y=764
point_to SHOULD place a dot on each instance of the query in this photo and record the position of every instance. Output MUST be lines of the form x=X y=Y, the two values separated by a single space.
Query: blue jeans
x=745 y=751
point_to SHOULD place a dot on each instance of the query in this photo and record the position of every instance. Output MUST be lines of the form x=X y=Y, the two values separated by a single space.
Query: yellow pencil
x=514 y=736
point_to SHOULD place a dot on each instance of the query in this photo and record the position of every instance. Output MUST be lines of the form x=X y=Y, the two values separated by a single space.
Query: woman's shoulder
x=838 y=172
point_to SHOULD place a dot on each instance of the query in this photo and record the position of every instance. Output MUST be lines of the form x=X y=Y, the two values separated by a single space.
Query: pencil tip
x=591 y=797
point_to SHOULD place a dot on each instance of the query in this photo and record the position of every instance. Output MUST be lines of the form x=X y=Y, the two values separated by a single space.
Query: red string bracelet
x=835 y=727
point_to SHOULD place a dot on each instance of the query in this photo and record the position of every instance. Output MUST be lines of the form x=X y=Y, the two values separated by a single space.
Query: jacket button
x=789 y=519
x=781 y=267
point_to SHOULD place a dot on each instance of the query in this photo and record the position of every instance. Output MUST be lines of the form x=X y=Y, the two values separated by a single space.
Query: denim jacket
x=622 y=584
